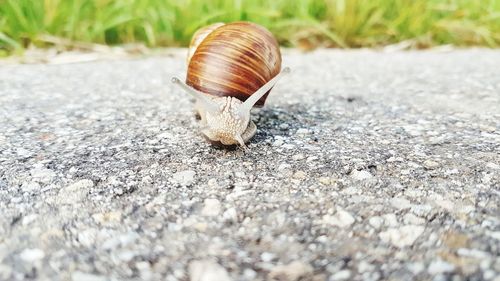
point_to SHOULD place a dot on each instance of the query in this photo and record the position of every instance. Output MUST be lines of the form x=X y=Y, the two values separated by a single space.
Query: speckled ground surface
x=366 y=166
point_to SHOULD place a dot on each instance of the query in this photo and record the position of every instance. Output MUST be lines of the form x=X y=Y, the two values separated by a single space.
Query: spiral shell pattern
x=234 y=59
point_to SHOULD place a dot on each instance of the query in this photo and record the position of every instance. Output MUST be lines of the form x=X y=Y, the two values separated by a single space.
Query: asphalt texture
x=366 y=166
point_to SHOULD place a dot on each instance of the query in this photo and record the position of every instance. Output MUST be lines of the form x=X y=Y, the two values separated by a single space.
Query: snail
x=231 y=68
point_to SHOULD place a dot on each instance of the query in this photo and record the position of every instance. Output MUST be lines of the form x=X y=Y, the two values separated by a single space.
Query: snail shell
x=234 y=59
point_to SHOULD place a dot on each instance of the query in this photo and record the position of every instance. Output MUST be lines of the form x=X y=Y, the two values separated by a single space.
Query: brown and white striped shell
x=234 y=59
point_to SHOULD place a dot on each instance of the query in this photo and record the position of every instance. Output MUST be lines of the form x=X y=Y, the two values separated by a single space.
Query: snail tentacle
x=253 y=99
x=207 y=104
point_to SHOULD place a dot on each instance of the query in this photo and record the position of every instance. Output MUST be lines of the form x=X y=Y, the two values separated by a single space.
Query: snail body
x=231 y=68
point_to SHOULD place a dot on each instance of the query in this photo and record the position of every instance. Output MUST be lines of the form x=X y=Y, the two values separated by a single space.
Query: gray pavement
x=366 y=166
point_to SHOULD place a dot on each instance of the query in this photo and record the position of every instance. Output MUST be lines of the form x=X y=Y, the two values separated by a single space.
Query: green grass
x=305 y=23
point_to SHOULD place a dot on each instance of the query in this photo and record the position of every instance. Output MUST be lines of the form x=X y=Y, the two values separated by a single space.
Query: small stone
x=30 y=186
x=403 y=236
x=421 y=210
x=267 y=257
x=400 y=203
x=110 y=217
x=125 y=255
x=298 y=157
x=487 y=128
x=325 y=180
x=430 y=165
x=341 y=218
x=213 y=183
x=230 y=215
x=341 y=275
x=147 y=180
x=293 y=271
x=211 y=207
x=42 y=175
x=361 y=175
x=87 y=237
x=82 y=276
x=416 y=267
x=300 y=175
x=278 y=142
x=365 y=267
x=249 y=274
x=32 y=255
x=75 y=193
x=207 y=270
x=276 y=218
x=284 y=126
x=492 y=166
x=440 y=266
x=376 y=222
x=302 y=131
x=184 y=178
x=23 y=153
x=390 y=220
x=412 y=219
x=144 y=268
x=29 y=219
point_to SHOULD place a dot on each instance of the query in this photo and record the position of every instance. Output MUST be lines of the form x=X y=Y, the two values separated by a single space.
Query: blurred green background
x=305 y=24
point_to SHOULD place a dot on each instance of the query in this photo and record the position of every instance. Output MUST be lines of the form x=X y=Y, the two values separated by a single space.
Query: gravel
x=366 y=165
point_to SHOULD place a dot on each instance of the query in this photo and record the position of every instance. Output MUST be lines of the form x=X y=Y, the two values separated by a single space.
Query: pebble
x=267 y=257
x=298 y=157
x=493 y=166
x=341 y=218
x=87 y=237
x=29 y=219
x=376 y=222
x=207 y=270
x=364 y=266
x=293 y=271
x=110 y=217
x=439 y=266
x=230 y=215
x=325 y=180
x=400 y=203
x=30 y=186
x=430 y=165
x=390 y=220
x=361 y=175
x=412 y=219
x=341 y=275
x=184 y=178
x=278 y=142
x=300 y=175
x=421 y=210
x=75 y=192
x=211 y=207
x=42 y=175
x=302 y=131
x=402 y=236
x=416 y=267
x=249 y=274
x=32 y=255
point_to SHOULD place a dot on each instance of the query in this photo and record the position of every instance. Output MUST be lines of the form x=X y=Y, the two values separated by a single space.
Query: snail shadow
x=275 y=121
x=270 y=123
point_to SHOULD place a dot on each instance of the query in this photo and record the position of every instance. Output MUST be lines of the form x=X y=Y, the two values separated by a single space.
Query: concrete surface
x=366 y=166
